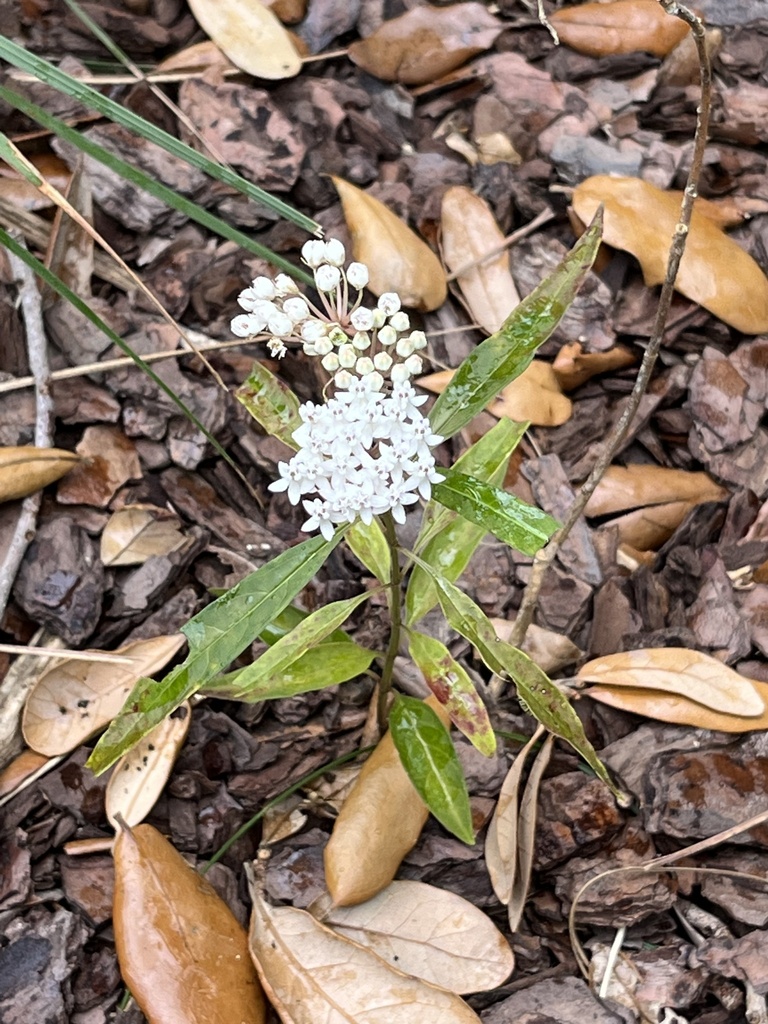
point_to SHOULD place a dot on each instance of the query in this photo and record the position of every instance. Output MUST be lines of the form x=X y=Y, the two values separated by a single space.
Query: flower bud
x=382 y=361
x=311 y=330
x=285 y=285
x=263 y=288
x=343 y=379
x=399 y=373
x=419 y=340
x=362 y=319
x=296 y=308
x=387 y=335
x=330 y=362
x=347 y=356
x=404 y=347
x=246 y=324
x=374 y=381
x=357 y=275
x=313 y=252
x=361 y=341
x=400 y=321
x=364 y=365
x=281 y=325
x=323 y=346
x=338 y=335
x=379 y=316
x=413 y=364
x=327 y=278
x=389 y=303
x=334 y=252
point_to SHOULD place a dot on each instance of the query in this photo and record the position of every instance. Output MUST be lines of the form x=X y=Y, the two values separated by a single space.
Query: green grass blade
x=142 y=180
x=51 y=75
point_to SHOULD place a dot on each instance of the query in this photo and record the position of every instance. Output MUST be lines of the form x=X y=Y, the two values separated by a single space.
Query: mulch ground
x=699 y=943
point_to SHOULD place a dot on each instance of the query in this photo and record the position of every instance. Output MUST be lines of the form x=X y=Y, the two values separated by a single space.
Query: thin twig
x=42 y=652
x=541 y=218
x=37 y=350
x=545 y=557
x=395 y=615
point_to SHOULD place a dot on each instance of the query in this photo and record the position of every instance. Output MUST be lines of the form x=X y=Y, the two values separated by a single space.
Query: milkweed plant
x=363 y=456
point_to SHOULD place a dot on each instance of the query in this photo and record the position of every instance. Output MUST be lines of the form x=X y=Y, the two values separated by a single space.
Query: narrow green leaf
x=504 y=356
x=61 y=289
x=216 y=635
x=142 y=180
x=265 y=678
x=522 y=526
x=455 y=690
x=430 y=760
x=369 y=544
x=10 y=155
x=540 y=695
x=53 y=76
x=271 y=403
x=446 y=540
x=330 y=663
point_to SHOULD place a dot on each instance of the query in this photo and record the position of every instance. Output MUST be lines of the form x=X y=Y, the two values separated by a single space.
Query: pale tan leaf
x=283 y=820
x=70 y=247
x=573 y=366
x=625 y=26
x=551 y=651
x=646 y=529
x=196 y=58
x=250 y=35
x=140 y=775
x=714 y=271
x=137 y=532
x=311 y=974
x=25 y=469
x=669 y=707
x=469 y=231
x=397 y=259
x=72 y=700
x=635 y=486
x=426 y=42
x=675 y=670
x=428 y=933
x=19 y=769
x=526 y=834
x=182 y=952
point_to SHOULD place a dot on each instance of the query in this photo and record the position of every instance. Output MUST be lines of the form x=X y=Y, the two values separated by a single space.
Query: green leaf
x=430 y=760
x=265 y=678
x=216 y=635
x=143 y=180
x=504 y=356
x=540 y=695
x=522 y=526
x=369 y=544
x=51 y=75
x=271 y=403
x=455 y=690
x=446 y=540
x=331 y=662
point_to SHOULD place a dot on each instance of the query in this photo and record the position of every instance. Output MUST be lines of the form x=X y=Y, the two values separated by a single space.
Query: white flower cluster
x=366 y=450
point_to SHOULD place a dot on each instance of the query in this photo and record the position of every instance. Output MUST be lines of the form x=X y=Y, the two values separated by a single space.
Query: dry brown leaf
x=140 y=775
x=290 y=12
x=20 y=768
x=714 y=271
x=533 y=397
x=72 y=700
x=428 y=933
x=250 y=35
x=646 y=529
x=199 y=57
x=311 y=974
x=625 y=26
x=551 y=651
x=283 y=820
x=573 y=366
x=137 y=532
x=379 y=822
x=469 y=231
x=526 y=834
x=182 y=953
x=668 y=707
x=397 y=259
x=426 y=42
x=636 y=486
x=25 y=469
x=675 y=670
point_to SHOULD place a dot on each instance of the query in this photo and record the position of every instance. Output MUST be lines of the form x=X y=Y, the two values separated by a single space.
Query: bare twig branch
x=545 y=557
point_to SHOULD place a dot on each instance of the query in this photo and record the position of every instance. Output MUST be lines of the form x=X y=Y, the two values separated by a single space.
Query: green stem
x=395 y=615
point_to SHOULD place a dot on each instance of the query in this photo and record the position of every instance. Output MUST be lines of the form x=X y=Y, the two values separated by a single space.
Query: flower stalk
x=395 y=616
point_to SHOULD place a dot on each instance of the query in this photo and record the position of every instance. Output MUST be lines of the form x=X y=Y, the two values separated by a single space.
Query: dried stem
x=545 y=558
x=395 y=615
x=37 y=349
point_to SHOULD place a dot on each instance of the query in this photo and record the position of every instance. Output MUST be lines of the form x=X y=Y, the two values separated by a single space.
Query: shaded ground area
x=696 y=943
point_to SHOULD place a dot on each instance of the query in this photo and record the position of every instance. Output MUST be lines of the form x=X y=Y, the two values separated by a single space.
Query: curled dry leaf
x=428 y=933
x=526 y=834
x=137 y=532
x=426 y=42
x=669 y=707
x=250 y=35
x=625 y=26
x=140 y=775
x=196 y=58
x=20 y=768
x=573 y=366
x=675 y=670
x=379 y=822
x=636 y=486
x=397 y=259
x=182 y=952
x=646 y=529
x=311 y=974
x=72 y=700
x=25 y=469
x=469 y=232
x=714 y=271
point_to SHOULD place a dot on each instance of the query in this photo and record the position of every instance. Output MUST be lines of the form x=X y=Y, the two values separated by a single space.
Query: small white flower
x=330 y=362
x=387 y=335
x=389 y=303
x=296 y=308
x=319 y=518
x=419 y=340
x=263 y=288
x=277 y=347
x=327 y=278
x=362 y=319
x=246 y=324
x=357 y=275
x=382 y=361
x=312 y=330
x=334 y=252
x=413 y=364
x=281 y=325
x=364 y=365
x=247 y=299
x=347 y=356
x=313 y=252
x=285 y=285
x=400 y=321
x=322 y=347
x=361 y=340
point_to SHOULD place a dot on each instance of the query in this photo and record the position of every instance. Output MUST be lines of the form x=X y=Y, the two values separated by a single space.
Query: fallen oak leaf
x=250 y=35
x=137 y=532
x=646 y=529
x=573 y=366
x=624 y=26
x=636 y=486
